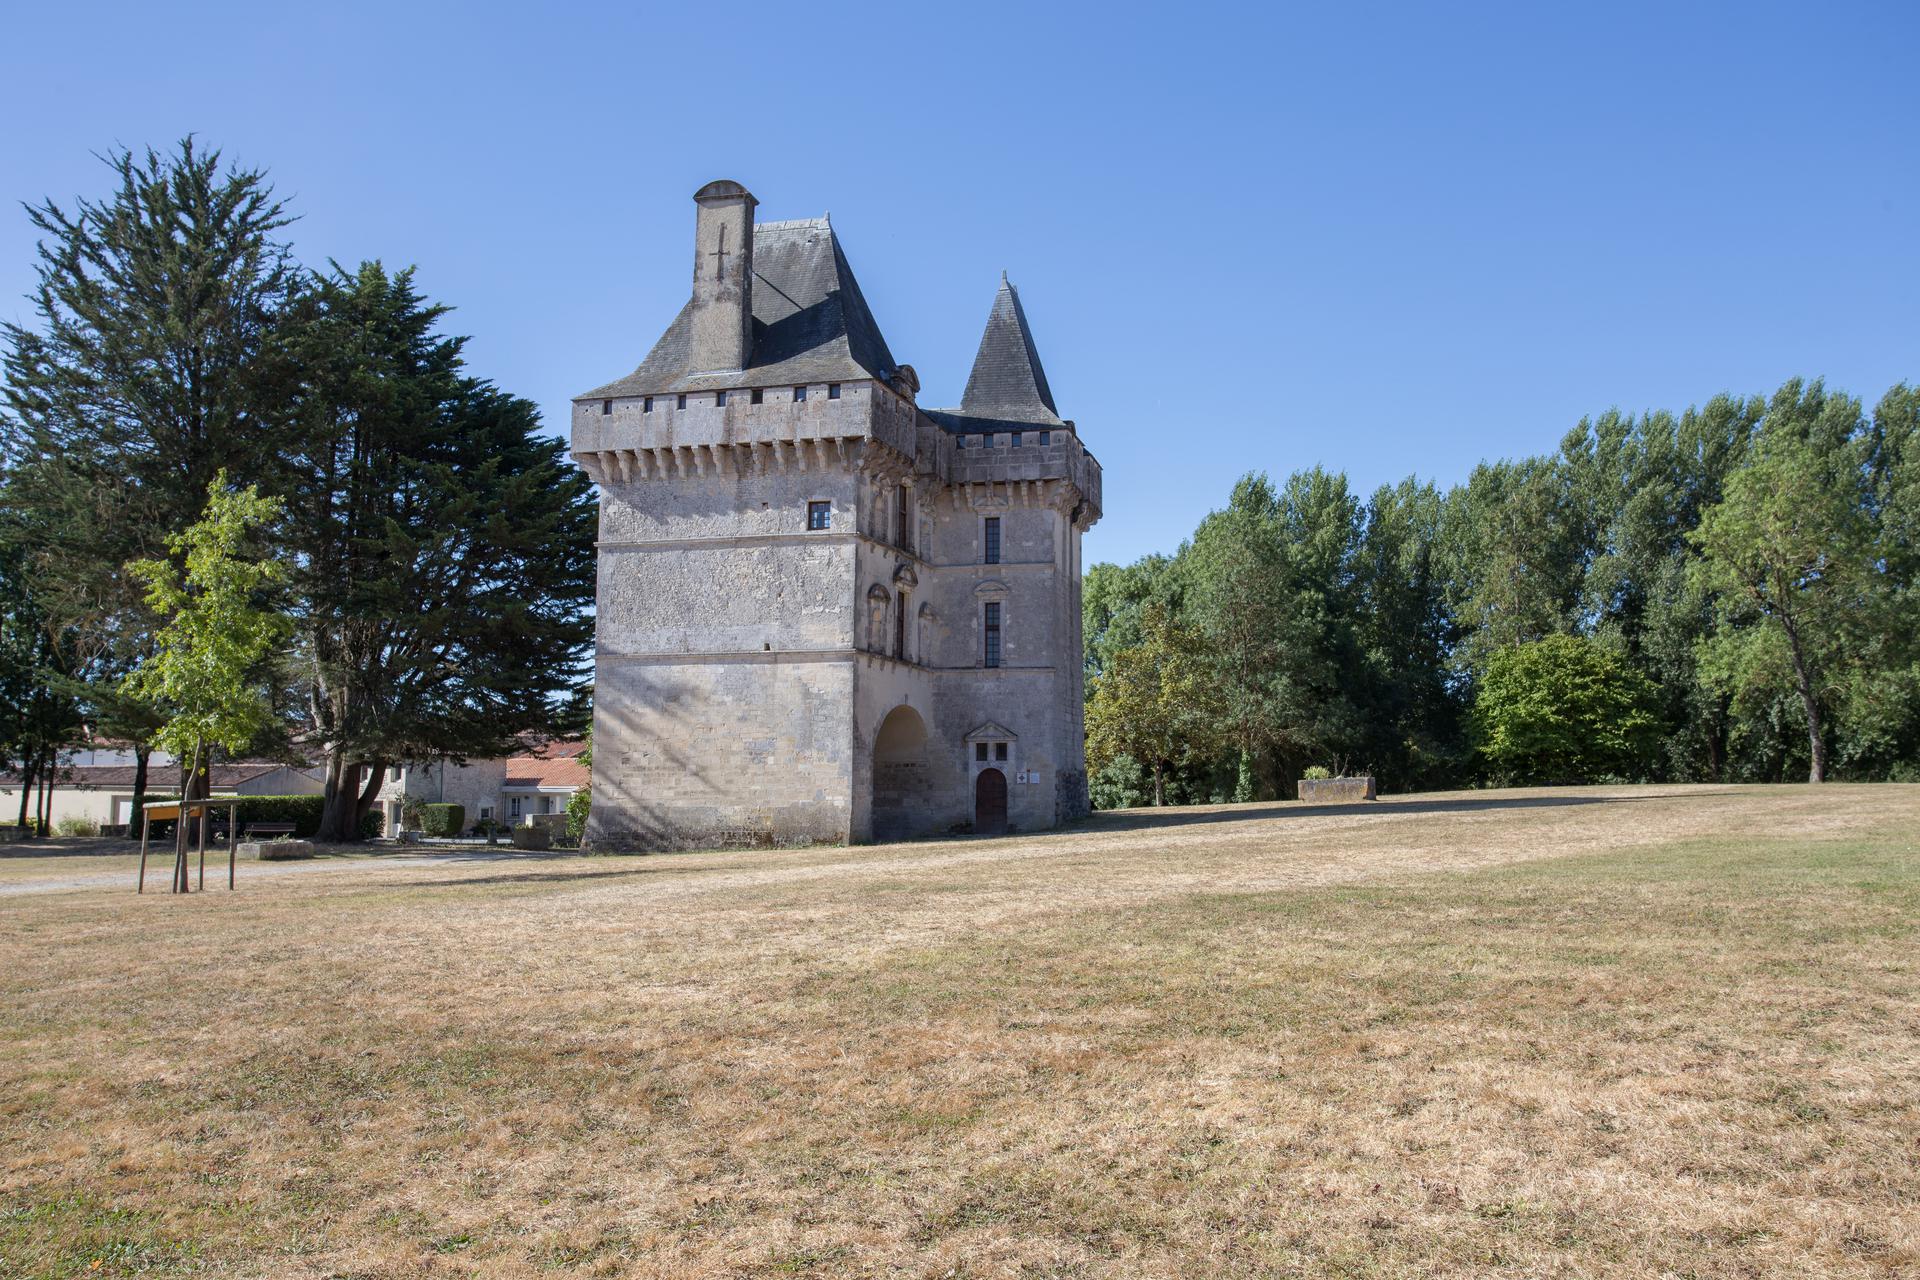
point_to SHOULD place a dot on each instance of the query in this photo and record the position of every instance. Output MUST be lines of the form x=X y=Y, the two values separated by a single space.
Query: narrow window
x=833 y=391
x=606 y=407
x=993 y=540
x=900 y=627
x=681 y=403
x=903 y=519
x=1014 y=439
x=979 y=751
x=1046 y=438
x=993 y=634
x=646 y=405
x=799 y=394
x=999 y=751
x=758 y=396
x=819 y=515
x=513 y=807
x=393 y=774
x=720 y=399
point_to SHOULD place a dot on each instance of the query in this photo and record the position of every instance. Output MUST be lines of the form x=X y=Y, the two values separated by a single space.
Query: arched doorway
x=990 y=803
x=900 y=781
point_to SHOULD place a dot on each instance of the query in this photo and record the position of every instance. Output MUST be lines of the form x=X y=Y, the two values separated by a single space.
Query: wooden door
x=990 y=803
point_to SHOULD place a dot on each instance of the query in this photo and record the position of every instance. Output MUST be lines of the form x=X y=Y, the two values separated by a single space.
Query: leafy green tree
x=204 y=673
x=442 y=547
x=1790 y=553
x=1563 y=709
x=1154 y=701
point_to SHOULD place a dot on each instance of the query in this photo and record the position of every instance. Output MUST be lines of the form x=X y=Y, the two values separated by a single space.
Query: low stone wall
x=531 y=837
x=1336 y=790
x=275 y=850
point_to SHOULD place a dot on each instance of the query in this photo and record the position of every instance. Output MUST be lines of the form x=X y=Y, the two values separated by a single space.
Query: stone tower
x=825 y=613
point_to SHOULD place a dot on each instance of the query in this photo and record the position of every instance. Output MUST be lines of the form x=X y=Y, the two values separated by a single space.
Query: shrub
x=443 y=820
x=1317 y=773
x=413 y=812
x=1563 y=709
x=579 y=804
x=77 y=826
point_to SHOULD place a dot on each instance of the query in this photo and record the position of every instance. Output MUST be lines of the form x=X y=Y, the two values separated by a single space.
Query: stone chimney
x=722 y=278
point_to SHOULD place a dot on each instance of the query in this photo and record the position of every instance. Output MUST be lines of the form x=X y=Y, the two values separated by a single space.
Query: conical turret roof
x=1007 y=382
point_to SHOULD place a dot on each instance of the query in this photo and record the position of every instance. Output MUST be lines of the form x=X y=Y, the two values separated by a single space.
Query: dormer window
x=833 y=391
x=606 y=407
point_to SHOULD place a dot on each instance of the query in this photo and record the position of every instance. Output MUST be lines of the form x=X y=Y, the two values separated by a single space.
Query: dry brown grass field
x=1629 y=1032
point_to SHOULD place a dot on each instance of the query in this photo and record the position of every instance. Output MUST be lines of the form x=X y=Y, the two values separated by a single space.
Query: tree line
x=1723 y=594
x=433 y=551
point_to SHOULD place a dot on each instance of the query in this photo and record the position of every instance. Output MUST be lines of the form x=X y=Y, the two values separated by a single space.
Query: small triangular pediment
x=992 y=732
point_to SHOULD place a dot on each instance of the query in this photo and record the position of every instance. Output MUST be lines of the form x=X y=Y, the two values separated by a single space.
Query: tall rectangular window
x=833 y=391
x=993 y=540
x=903 y=519
x=993 y=633
x=1046 y=437
x=799 y=394
x=680 y=402
x=720 y=399
x=900 y=626
x=819 y=515
x=606 y=407
x=758 y=395
x=646 y=404
x=1014 y=440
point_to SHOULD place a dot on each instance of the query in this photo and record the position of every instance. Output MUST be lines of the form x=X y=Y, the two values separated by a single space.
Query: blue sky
x=1386 y=239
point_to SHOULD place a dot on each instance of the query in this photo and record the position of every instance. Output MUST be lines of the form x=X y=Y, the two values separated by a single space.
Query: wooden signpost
x=203 y=810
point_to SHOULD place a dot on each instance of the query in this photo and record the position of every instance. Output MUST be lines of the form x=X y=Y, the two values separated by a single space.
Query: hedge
x=303 y=812
x=443 y=820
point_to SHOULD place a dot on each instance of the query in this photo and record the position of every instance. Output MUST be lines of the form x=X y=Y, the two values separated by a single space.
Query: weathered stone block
x=276 y=850
x=1336 y=790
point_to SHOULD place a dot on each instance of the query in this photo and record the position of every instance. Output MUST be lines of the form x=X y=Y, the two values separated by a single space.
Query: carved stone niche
x=878 y=599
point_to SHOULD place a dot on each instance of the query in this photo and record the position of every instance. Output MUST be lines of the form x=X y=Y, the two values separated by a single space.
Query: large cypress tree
x=442 y=547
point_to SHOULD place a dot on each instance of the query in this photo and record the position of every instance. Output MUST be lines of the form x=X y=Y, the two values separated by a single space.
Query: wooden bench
x=253 y=829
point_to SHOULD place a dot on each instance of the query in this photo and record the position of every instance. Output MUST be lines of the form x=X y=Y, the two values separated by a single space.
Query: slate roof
x=1008 y=386
x=810 y=322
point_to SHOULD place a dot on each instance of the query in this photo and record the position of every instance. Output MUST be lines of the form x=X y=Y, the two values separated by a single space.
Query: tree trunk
x=347 y=798
x=29 y=777
x=1159 y=785
x=1816 y=740
x=49 y=767
x=180 y=822
x=140 y=754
